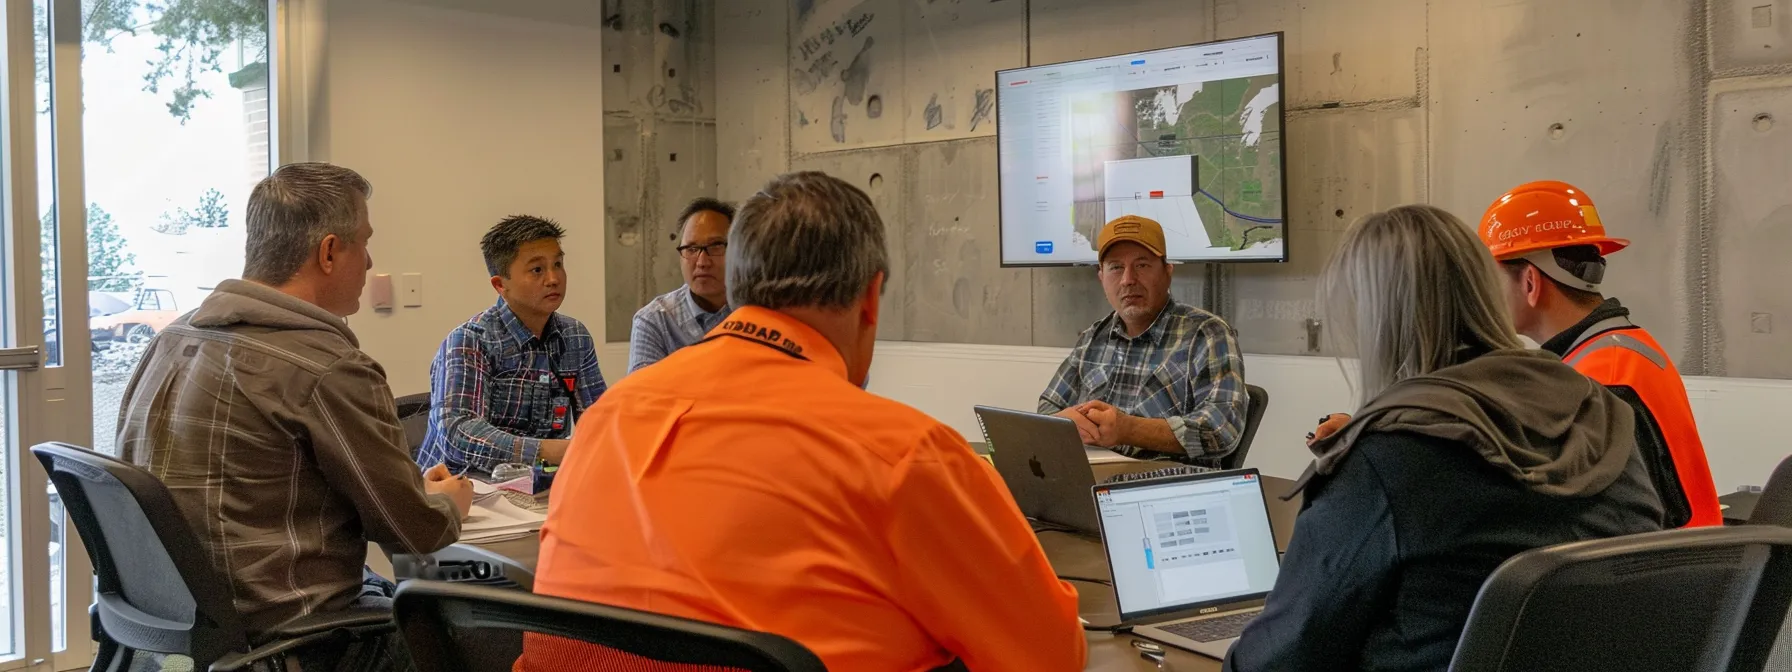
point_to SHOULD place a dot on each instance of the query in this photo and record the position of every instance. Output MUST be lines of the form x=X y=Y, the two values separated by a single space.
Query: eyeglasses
x=713 y=249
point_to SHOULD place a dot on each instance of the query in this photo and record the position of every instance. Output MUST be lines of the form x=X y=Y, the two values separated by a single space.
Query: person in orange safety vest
x=1548 y=238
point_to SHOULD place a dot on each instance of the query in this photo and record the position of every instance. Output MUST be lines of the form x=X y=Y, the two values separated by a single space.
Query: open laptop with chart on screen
x=1192 y=557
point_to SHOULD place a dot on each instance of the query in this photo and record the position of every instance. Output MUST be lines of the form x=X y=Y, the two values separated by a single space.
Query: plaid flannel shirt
x=1185 y=368
x=495 y=388
x=670 y=321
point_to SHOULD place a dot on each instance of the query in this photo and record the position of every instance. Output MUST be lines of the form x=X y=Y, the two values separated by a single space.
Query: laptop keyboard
x=1212 y=629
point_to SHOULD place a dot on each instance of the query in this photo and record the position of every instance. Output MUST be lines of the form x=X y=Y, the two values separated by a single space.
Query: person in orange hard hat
x=1548 y=238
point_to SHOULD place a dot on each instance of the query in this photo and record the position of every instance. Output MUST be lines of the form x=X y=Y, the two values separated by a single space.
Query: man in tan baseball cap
x=1155 y=377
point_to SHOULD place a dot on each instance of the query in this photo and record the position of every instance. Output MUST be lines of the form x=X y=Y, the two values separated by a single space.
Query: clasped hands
x=1099 y=423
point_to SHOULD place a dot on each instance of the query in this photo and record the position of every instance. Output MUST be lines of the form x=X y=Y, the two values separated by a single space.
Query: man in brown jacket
x=276 y=434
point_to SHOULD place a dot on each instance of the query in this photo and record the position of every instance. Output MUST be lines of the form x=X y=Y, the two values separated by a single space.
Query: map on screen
x=1190 y=137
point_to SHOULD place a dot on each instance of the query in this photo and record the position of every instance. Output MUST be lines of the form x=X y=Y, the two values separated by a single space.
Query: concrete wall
x=1671 y=114
x=1654 y=106
x=659 y=131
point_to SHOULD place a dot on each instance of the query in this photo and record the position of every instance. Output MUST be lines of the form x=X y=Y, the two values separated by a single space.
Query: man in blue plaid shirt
x=1155 y=377
x=507 y=386
x=683 y=316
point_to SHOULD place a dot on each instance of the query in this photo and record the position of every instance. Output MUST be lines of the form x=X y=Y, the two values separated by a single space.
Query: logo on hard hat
x=1592 y=216
x=1554 y=214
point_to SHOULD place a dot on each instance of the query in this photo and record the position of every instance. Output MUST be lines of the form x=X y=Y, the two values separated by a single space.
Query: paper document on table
x=498 y=519
x=1105 y=456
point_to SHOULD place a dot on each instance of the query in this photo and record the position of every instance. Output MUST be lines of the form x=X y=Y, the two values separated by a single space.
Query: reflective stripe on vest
x=1600 y=336
x=1619 y=340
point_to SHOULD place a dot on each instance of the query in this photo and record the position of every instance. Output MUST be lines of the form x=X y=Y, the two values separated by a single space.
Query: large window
x=153 y=122
x=176 y=131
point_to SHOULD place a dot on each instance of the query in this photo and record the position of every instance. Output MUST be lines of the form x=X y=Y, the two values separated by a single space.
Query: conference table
x=1078 y=556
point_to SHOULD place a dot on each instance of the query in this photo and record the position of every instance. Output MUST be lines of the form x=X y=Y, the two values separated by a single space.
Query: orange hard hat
x=1541 y=216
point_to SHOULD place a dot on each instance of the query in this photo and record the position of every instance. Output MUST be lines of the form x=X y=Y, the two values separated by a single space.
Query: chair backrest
x=1687 y=600
x=455 y=627
x=159 y=591
x=1253 y=417
x=1775 y=505
x=413 y=413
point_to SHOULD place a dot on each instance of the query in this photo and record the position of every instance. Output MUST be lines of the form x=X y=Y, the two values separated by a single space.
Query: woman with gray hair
x=1467 y=449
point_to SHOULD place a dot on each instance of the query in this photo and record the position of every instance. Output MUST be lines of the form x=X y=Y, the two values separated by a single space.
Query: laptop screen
x=1187 y=543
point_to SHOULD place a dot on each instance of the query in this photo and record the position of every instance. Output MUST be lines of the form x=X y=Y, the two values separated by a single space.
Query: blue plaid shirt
x=1185 y=369
x=496 y=390
x=670 y=321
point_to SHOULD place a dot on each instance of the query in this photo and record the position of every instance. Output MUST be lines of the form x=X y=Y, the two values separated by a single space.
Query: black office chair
x=158 y=589
x=413 y=413
x=1685 y=600
x=1253 y=417
x=452 y=627
x=1775 y=505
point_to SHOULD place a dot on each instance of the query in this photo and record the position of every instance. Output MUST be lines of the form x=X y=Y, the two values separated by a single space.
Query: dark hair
x=1569 y=258
x=291 y=212
x=806 y=239
x=704 y=204
x=500 y=244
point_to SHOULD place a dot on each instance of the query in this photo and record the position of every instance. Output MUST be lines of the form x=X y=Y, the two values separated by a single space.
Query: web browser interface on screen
x=1187 y=542
x=1190 y=137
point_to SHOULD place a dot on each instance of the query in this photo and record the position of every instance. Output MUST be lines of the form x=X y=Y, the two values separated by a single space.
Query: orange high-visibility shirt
x=744 y=481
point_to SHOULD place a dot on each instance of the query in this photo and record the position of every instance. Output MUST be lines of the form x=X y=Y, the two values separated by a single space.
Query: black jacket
x=1431 y=486
x=1390 y=551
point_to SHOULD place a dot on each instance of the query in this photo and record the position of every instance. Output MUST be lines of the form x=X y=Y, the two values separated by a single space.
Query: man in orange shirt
x=748 y=480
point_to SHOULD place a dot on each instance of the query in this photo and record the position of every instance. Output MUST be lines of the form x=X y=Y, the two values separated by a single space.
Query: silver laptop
x=1046 y=467
x=1192 y=557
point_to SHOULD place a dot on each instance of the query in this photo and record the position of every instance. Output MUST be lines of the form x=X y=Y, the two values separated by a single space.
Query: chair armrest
x=322 y=622
x=314 y=629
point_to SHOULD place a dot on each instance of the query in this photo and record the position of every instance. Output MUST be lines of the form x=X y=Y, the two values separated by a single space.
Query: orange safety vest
x=1619 y=354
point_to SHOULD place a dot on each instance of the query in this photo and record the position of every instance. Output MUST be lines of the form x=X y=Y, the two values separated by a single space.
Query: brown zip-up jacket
x=282 y=446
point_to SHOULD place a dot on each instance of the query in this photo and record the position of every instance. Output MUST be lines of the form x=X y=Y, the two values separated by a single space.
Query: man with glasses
x=682 y=316
x=1155 y=377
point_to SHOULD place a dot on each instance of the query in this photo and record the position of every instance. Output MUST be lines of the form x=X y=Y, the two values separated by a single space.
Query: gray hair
x=1413 y=291
x=291 y=211
x=806 y=239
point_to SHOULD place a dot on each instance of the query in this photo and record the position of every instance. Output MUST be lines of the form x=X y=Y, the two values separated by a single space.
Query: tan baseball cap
x=1134 y=228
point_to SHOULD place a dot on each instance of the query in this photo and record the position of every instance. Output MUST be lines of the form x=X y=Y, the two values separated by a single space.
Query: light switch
x=410 y=289
x=380 y=291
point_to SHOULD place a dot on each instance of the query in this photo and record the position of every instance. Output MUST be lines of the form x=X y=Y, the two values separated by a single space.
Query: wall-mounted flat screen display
x=1190 y=137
